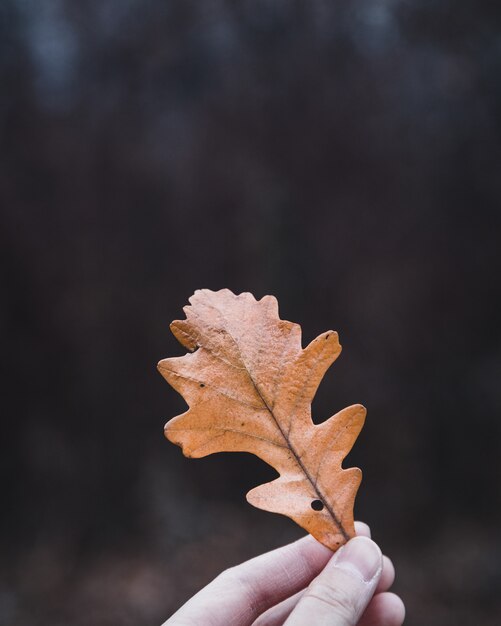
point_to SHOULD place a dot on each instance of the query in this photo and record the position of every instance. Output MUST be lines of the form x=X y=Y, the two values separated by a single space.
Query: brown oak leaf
x=249 y=385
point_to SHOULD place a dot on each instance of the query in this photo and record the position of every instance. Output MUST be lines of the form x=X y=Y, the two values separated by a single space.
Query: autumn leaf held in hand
x=249 y=385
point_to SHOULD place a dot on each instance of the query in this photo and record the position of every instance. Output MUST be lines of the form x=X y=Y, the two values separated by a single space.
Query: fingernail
x=361 y=556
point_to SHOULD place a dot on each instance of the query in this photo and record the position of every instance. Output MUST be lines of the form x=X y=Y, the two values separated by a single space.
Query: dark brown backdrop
x=344 y=156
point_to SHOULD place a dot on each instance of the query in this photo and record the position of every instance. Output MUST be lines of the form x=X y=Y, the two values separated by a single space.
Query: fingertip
x=385 y=608
x=387 y=576
x=314 y=553
x=361 y=556
x=362 y=529
x=344 y=588
x=394 y=608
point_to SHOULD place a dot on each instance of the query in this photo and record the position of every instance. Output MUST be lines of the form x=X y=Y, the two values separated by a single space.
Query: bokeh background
x=343 y=156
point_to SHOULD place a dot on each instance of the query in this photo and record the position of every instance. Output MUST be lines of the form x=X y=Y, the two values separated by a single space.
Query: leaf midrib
x=285 y=436
x=297 y=458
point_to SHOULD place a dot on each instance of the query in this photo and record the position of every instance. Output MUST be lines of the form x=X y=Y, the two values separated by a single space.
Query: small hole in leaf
x=317 y=505
x=327 y=336
x=202 y=385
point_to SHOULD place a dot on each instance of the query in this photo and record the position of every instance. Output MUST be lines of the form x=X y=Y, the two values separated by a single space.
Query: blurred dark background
x=343 y=156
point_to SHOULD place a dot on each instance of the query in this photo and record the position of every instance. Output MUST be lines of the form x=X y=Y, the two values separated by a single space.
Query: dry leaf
x=249 y=385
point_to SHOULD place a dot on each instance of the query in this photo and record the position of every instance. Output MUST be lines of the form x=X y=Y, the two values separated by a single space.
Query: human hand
x=301 y=584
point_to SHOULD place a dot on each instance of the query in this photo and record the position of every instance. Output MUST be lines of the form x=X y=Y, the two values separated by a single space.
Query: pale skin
x=301 y=584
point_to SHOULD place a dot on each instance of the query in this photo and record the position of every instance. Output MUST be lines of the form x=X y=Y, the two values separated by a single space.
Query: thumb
x=339 y=595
